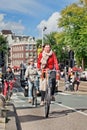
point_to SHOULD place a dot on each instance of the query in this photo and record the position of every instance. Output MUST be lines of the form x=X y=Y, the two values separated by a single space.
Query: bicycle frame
x=47 y=94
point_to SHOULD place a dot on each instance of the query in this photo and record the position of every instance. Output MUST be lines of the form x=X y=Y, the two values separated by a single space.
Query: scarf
x=45 y=57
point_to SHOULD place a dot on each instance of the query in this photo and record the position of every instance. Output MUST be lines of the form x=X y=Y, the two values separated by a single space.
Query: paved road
x=68 y=112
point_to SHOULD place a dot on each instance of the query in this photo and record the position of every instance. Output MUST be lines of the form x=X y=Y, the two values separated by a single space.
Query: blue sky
x=28 y=17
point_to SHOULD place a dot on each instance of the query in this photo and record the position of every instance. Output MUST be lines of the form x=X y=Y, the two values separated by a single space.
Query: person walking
x=76 y=81
x=31 y=75
x=47 y=60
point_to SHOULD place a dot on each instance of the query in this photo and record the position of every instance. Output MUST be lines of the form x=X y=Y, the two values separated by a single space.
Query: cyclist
x=48 y=60
x=31 y=75
x=9 y=79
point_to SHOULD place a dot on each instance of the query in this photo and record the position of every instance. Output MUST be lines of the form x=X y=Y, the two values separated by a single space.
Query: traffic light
x=1 y=58
x=71 y=54
x=71 y=63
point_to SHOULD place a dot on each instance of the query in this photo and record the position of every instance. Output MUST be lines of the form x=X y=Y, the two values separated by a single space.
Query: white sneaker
x=42 y=103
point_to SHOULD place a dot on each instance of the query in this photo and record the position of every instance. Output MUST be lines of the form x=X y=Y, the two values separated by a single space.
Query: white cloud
x=31 y=7
x=51 y=23
x=16 y=27
x=1 y=17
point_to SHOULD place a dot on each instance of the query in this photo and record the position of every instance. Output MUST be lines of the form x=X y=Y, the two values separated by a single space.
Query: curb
x=12 y=122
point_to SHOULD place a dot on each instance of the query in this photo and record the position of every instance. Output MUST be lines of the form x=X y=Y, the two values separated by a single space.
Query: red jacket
x=51 y=62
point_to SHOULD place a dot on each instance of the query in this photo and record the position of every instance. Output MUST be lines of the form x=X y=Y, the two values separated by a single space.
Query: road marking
x=61 y=93
x=19 y=101
x=85 y=114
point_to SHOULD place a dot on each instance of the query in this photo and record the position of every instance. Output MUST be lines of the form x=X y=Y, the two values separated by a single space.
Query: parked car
x=83 y=76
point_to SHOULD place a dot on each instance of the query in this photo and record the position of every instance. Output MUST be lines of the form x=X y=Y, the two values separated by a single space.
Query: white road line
x=19 y=101
x=61 y=93
x=85 y=114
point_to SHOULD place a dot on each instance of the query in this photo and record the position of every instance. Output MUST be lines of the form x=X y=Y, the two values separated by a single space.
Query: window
x=34 y=47
x=26 y=54
x=30 y=47
x=26 y=47
x=30 y=54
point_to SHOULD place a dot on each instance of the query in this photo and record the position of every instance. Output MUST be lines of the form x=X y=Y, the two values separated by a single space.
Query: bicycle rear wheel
x=34 y=94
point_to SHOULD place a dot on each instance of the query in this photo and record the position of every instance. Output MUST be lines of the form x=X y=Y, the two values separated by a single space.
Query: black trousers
x=52 y=82
x=42 y=95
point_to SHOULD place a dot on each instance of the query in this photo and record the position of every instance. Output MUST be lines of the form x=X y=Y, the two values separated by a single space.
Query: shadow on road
x=11 y=114
x=56 y=114
x=28 y=118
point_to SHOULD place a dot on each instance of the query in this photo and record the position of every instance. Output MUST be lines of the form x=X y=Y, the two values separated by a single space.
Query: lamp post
x=43 y=29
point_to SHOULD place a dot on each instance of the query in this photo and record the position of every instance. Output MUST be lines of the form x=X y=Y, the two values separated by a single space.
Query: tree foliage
x=73 y=22
x=3 y=44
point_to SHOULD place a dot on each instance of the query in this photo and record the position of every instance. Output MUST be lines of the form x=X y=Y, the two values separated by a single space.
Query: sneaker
x=52 y=98
x=42 y=103
x=37 y=92
x=30 y=101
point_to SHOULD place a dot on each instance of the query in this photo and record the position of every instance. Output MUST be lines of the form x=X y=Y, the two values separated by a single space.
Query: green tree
x=3 y=49
x=50 y=38
x=3 y=44
x=39 y=43
x=73 y=22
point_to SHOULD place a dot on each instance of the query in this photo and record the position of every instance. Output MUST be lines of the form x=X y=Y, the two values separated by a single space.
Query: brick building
x=21 y=48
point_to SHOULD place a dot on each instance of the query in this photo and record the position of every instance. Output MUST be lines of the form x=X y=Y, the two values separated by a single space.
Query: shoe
x=37 y=92
x=52 y=98
x=30 y=101
x=42 y=103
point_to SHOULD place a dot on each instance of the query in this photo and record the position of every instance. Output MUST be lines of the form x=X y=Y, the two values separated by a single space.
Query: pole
x=42 y=37
x=43 y=29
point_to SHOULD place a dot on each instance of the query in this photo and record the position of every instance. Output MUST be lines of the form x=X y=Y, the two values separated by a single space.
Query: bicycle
x=34 y=95
x=34 y=92
x=48 y=91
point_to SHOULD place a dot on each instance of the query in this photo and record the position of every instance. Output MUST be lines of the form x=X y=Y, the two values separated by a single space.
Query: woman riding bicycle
x=9 y=79
x=47 y=60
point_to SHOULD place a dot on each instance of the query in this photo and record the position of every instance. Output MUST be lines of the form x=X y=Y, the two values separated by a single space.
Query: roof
x=6 y=32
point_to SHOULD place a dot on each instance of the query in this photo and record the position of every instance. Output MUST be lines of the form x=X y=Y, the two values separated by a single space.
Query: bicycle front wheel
x=47 y=101
x=47 y=108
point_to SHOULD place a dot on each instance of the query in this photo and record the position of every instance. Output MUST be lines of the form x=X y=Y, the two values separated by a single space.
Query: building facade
x=21 y=48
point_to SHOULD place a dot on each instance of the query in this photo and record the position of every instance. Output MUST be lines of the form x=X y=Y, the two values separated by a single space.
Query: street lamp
x=43 y=29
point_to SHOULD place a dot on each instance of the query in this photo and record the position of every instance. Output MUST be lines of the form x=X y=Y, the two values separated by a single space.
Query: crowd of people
x=46 y=62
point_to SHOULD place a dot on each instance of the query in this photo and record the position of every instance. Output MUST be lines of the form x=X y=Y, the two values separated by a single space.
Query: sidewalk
x=82 y=88
x=12 y=122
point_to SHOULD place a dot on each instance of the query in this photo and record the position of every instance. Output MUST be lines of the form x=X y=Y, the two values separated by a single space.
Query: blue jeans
x=30 y=84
